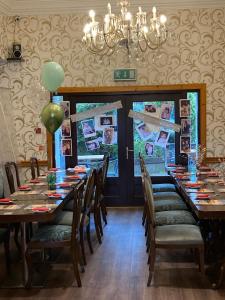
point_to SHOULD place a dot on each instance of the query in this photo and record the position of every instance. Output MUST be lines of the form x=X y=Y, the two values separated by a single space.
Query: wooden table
x=211 y=211
x=21 y=210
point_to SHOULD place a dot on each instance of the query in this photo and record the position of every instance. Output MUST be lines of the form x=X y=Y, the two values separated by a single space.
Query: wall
x=196 y=56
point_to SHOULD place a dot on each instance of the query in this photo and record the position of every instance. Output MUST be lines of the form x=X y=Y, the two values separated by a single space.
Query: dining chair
x=181 y=236
x=34 y=166
x=104 y=175
x=96 y=203
x=12 y=175
x=64 y=217
x=4 y=228
x=50 y=236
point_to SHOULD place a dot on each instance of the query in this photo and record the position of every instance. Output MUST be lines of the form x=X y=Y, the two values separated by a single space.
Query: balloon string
x=7 y=129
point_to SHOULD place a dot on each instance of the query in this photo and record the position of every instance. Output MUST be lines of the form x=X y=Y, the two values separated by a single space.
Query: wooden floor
x=118 y=270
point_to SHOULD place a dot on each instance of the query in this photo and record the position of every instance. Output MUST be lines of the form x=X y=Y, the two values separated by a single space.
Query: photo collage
x=151 y=134
x=100 y=130
x=66 y=141
x=185 y=134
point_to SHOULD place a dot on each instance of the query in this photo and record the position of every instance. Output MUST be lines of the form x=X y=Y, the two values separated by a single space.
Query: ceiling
x=43 y=7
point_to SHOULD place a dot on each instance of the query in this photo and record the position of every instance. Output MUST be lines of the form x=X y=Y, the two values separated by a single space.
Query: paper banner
x=154 y=121
x=95 y=111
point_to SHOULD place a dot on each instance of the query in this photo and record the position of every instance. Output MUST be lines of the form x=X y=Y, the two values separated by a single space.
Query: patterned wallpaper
x=197 y=55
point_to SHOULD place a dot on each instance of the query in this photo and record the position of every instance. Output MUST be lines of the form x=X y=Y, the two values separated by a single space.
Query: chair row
x=168 y=221
x=71 y=223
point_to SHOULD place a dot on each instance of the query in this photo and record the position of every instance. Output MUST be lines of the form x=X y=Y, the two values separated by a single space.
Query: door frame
x=201 y=87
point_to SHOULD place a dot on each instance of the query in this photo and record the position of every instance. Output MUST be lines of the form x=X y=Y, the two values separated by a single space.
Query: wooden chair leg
x=144 y=215
x=89 y=237
x=29 y=266
x=201 y=260
x=97 y=227
x=99 y=221
x=104 y=212
x=82 y=244
x=75 y=258
x=16 y=236
x=151 y=264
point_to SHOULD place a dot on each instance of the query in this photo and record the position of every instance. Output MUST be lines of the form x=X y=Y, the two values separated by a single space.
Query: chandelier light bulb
x=92 y=15
x=163 y=19
x=154 y=12
x=87 y=28
x=128 y=16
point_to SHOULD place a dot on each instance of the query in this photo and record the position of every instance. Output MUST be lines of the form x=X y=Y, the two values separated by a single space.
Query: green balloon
x=52 y=116
x=52 y=76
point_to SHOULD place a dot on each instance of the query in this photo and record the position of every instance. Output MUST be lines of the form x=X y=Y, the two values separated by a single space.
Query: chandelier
x=138 y=33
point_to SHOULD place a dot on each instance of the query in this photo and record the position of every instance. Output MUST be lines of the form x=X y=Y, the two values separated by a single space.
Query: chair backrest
x=99 y=185
x=150 y=206
x=34 y=166
x=89 y=190
x=142 y=162
x=105 y=167
x=12 y=175
x=78 y=192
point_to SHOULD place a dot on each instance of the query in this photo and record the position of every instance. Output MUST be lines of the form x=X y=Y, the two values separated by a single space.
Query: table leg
x=24 y=247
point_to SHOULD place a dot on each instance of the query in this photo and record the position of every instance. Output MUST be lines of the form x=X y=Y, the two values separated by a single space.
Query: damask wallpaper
x=195 y=55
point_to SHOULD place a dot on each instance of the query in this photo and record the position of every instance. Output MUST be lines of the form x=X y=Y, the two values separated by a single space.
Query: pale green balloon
x=52 y=116
x=52 y=76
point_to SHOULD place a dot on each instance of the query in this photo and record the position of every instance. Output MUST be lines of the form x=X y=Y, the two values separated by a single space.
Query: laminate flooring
x=118 y=269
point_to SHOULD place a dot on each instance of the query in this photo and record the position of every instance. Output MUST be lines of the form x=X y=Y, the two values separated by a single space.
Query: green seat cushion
x=3 y=232
x=167 y=196
x=162 y=205
x=54 y=233
x=178 y=235
x=172 y=217
x=163 y=187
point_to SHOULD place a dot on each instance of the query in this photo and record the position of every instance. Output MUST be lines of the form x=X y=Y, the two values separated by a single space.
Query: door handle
x=127 y=152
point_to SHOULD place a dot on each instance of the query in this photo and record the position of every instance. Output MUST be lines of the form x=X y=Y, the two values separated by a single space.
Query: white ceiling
x=40 y=7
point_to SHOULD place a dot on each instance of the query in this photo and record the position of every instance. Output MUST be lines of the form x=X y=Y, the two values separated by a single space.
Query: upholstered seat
x=163 y=187
x=176 y=204
x=52 y=233
x=178 y=234
x=166 y=196
x=174 y=217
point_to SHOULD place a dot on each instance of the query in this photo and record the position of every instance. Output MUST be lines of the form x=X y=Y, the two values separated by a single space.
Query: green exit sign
x=125 y=75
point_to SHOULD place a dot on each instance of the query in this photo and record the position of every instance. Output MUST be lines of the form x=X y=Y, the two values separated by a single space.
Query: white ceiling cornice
x=48 y=7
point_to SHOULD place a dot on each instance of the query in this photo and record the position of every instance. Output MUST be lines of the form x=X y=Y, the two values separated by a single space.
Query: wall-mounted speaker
x=16 y=51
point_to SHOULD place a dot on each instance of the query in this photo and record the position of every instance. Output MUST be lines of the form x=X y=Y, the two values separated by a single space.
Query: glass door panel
x=156 y=145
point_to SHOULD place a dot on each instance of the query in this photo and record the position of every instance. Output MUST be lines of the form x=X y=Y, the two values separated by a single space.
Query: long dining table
x=34 y=202
x=204 y=192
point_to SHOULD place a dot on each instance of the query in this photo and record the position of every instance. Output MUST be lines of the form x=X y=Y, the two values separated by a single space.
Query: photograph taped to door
x=108 y=136
x=88 y=128
x=92 y=144
x=162 y=138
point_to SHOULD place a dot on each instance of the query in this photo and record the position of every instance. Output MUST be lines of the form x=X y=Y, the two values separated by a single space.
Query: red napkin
x=53 y=169
x=172 y=165
x=40 y=209
x=55 y=195
x=192 y=184
x=24 y=187
x=34 y=181
x=182 y=176
x=63 y=184
x=203 y=196
x=73 y=177
x=5 y=200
